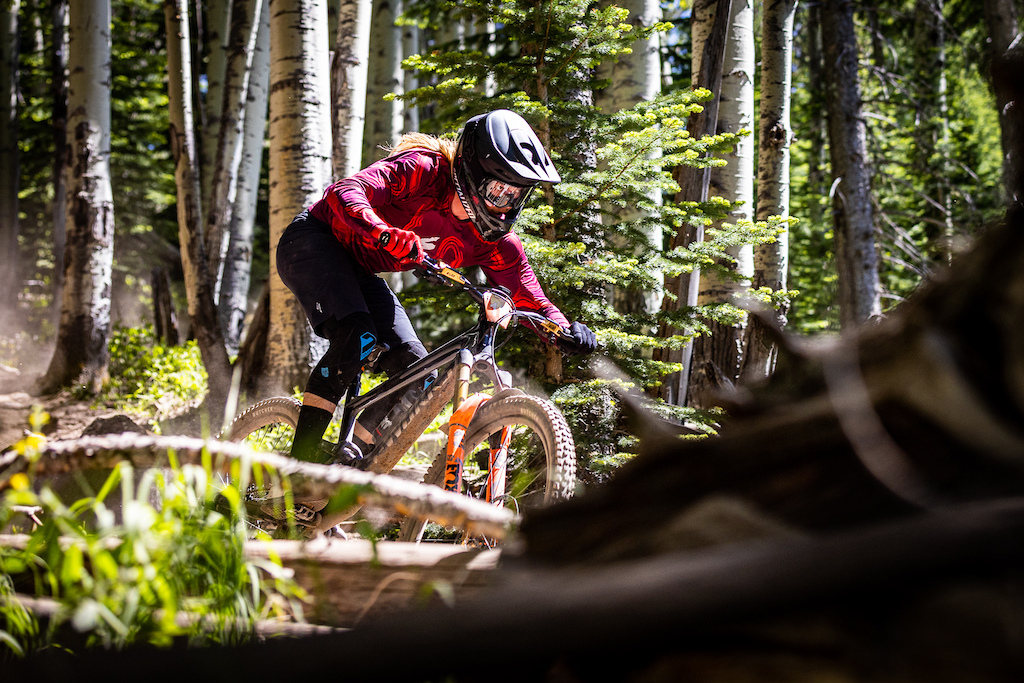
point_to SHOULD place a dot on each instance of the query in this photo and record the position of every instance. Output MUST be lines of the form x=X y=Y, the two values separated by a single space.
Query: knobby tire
x=507 y=409
x=271 y=413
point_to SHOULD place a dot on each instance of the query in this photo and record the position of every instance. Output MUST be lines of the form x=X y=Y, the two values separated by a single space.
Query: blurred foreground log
x=919 y=411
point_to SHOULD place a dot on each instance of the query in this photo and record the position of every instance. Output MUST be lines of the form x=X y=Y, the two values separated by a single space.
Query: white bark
x=198 y=282
x=241 y=47
x=81 y=351
x=216 y=32
x=300 y=162
x=349 y=81
x=234 y=292
x=771 y=261
x=734 y=182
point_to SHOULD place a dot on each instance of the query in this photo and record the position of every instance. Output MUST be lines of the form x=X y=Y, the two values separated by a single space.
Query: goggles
x=501 y=197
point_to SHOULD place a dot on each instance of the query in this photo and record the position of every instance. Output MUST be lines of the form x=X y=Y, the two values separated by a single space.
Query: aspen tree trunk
x=349 y=83
x=708 y=39
x=9 y=227
x=223 y=185
x=717 y=355
x=1003 y=21
x=234 y=289
x=931 y=130
x=300 y=164
x=856 y=254
x=771 y=261
x=81 y=354
x=636 y=77
x=384 y=118
x=217 y=30
x=59 y=88
x=202 y=311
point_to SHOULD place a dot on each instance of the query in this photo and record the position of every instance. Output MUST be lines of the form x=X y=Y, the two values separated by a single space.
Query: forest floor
x=68 y=415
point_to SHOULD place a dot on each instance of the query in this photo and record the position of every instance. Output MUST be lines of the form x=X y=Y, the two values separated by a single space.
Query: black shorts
x=328 y=283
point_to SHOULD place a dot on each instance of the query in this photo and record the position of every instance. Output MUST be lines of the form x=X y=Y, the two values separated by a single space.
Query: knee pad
x=352 y=339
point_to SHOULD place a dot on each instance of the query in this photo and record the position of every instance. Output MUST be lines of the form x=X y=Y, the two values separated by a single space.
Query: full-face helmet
x=498 y=162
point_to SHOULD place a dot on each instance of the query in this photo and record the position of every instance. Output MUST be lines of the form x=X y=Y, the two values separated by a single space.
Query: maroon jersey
x=413 y=190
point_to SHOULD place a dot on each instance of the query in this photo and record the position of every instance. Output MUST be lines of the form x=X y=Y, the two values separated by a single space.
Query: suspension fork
x=465 y=407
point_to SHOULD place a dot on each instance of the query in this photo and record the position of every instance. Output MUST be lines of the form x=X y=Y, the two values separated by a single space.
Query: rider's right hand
x=403 y=245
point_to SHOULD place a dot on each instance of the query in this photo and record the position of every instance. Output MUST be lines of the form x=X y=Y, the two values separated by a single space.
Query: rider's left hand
x=583 y=340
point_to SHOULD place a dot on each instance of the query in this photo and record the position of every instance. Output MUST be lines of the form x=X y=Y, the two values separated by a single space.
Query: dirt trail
x=68 y=416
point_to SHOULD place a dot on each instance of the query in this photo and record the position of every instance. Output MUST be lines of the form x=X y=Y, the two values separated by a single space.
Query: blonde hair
x=409 y=141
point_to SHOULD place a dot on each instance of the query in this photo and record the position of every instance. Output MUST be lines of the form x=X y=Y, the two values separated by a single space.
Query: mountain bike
x=504 y=446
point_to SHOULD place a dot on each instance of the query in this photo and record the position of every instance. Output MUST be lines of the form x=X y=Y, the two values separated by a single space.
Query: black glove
x=583 y=340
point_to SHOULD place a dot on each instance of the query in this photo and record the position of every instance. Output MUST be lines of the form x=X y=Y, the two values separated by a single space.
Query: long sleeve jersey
x=413 y=190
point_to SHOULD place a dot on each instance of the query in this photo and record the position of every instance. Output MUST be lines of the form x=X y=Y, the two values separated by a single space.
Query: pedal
x=306 y=515
x=273 y=511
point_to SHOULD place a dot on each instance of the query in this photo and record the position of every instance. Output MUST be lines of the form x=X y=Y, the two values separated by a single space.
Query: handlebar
x=438 y=271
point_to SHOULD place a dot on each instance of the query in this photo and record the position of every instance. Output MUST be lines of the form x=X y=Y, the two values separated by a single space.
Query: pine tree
x=542 y=64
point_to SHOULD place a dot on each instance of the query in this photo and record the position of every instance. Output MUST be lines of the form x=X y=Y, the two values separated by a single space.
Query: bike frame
x=471 y=351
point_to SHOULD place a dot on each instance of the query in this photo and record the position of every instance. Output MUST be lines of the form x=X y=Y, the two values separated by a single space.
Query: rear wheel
x=268 y=425
x=542 y=455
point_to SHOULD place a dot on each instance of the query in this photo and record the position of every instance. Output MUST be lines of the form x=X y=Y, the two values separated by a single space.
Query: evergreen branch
x=596 y=194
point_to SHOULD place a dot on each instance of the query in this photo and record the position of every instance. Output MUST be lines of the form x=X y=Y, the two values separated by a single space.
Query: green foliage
x=934 y=188
x=602 y=444
x=599 y=237
x=123 y=571
x=146 y=375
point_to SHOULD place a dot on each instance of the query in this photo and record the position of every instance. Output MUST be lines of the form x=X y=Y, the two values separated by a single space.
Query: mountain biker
x=454 y=200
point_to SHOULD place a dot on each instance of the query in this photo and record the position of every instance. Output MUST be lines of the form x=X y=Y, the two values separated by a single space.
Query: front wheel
x=542 y=455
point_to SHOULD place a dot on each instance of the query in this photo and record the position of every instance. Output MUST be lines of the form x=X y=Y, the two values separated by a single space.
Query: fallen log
x=353 y=580
x=347 y=580
x=922 y=410
x=144 y=451
x=871 y=604
x=47 y=608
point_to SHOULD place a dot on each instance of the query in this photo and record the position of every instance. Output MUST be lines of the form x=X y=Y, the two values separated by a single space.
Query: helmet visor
x=501 y=197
